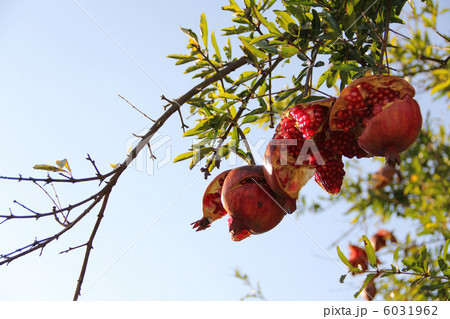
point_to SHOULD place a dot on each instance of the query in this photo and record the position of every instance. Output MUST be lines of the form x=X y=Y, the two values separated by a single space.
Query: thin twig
x=72 y=248
x=134 y=107
x=383 y=51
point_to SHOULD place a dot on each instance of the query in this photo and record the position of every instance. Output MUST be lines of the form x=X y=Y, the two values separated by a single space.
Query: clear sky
x=61 y=70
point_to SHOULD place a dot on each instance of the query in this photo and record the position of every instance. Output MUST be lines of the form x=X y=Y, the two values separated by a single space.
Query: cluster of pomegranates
x=374 y=116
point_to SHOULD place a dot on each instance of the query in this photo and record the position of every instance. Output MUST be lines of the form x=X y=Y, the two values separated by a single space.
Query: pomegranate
x=369 y=291
x=212 y=204
x=393 y=130
x=380 y=112
x=293 y=155
x=281 y=172
x=358 y=257
x=379 y=239
x=384 y=176
x=253 y=207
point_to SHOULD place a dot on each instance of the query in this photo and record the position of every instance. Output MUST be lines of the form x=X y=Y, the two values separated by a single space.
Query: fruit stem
x=392 y=157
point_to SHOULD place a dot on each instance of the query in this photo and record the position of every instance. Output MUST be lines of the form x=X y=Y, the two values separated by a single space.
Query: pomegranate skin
x=393 y=130
x=286 y=180
x=254 y=208
x=211 y=204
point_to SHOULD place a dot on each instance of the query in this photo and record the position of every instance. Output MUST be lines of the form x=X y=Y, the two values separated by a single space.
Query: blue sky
x=60 y=76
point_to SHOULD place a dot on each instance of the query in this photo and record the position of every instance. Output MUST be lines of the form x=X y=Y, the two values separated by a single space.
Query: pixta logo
x=147 y=161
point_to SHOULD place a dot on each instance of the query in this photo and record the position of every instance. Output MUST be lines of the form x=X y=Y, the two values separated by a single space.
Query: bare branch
x=89 y=246
x=134 y=107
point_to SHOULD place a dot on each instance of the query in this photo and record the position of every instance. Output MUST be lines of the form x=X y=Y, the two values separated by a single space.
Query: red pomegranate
x=380 y=112
x=358 y=257
x=212 y=203
x=393 y=130
x=298 y=149
x=253 y=207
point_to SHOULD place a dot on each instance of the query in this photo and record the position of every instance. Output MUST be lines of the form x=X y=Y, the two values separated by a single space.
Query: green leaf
x=233 y=111
x=287 y=51
x=423 y=258
x=342 y=278
x=269 y=25
x=183 y=157
x=396 y=253
x=245 y=76
x=234 y=30
x=286 y=21
x=343 y=258
x=204 y=29
x=249 y=119
x=223 y=151
x=443 y=265
x=261 y=37
x=368 y=279
x=233 y=7
x=228 y=96
x=315 y=23
x=190 y=33
x=370 y=252
x=257 y=53
x=346 y=67
x=182 y=57
x=325 y=75
x=319 y=64
x=199 y=155
x=215 y=46
x=350 y=5
x=332 y=23
x=202 y=126
x=445 y=249
x=227 y=49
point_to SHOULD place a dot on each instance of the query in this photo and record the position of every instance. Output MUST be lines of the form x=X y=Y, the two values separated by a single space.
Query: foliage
x=348 y=34
x=419 y=56
x=420 y=198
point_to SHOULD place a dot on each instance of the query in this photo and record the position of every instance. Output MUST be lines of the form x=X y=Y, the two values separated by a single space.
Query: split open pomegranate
x=380 y=112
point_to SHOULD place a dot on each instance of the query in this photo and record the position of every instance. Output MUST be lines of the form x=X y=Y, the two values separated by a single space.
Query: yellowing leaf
x=64 y=164
x=49 y=168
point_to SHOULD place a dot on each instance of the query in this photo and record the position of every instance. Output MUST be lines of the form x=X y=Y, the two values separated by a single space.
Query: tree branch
x=89 y=247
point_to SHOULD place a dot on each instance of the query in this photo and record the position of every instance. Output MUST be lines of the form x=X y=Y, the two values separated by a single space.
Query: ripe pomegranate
x=292 y=156
x=281 y=172
x=384 y=176
x=393 y=130
x=253 y=207
x=379 y=239
x=212 y=204
x=380 y=112
x=358 y=257
x=370 y=291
